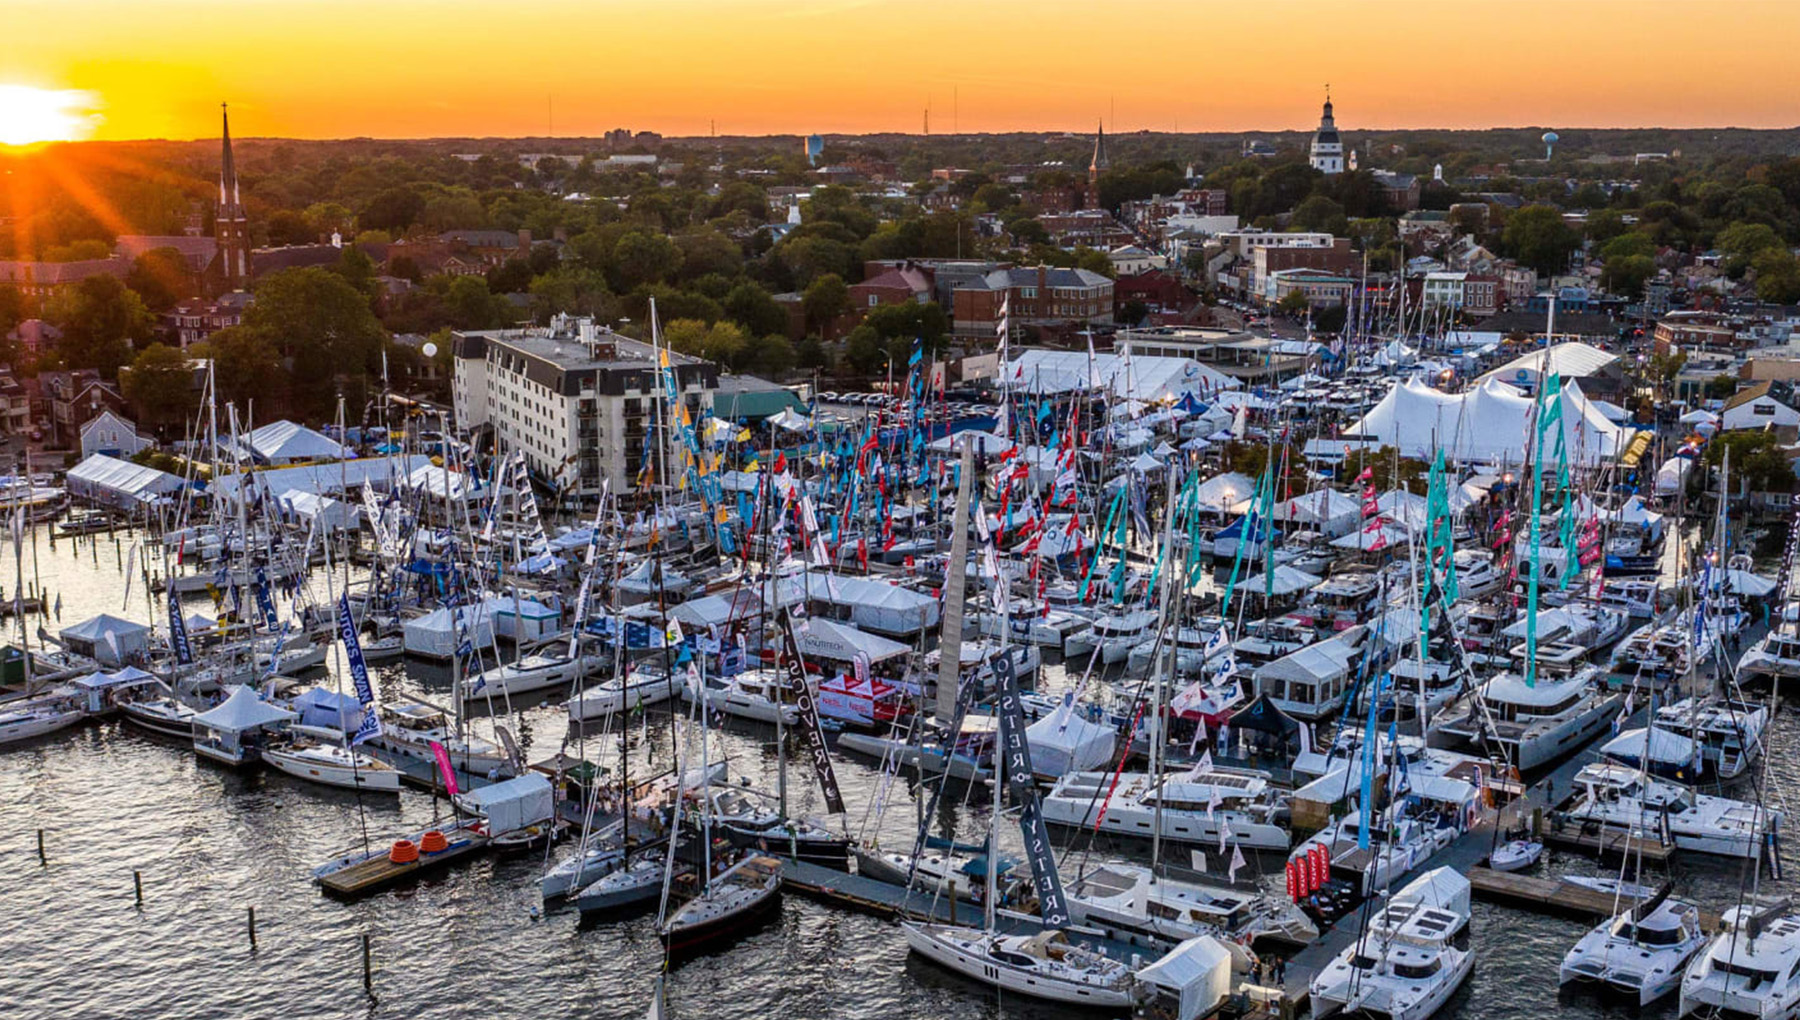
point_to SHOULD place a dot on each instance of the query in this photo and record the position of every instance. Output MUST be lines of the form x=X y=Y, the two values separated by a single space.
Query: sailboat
x=1641 y=952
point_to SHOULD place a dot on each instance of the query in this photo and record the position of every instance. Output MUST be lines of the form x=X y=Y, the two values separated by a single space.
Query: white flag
x=1206 y=762
x=1224 y=834
x=1237 y=861
x=1212 y=801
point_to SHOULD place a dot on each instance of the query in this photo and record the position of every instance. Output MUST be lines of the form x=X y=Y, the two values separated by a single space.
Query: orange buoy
x=405 y=851
x=434 y=842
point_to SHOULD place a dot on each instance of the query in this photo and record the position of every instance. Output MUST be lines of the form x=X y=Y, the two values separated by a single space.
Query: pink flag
x=443 y=764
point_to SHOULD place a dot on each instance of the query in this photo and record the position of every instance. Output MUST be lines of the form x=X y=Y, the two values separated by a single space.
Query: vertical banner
x=1016 y=758
x=264 y=603
x=178 y=635
x=443 y=764
x=809 y=721
x=359 y=674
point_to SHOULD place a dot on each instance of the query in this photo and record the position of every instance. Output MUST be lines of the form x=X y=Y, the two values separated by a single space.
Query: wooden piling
x=368 y=971
x=252 y=929
x=137 y=880
x=41 y=858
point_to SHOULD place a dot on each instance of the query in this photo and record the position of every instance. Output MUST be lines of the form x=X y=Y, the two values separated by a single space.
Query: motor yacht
x=531 y=673
x=1538 y=724
x=1112 y=635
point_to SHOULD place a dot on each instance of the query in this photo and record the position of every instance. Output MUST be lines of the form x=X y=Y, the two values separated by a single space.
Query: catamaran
x=1413 y=956
x=1619 y=797
x=1642 y=952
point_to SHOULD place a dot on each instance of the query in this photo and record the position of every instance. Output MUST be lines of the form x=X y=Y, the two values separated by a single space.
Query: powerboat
x=1113 y=633
x=1414 y=955
x=1538 y=724
x=1642 y=952
x=1043 y=966
x=1751 y=968
x=1031 y=622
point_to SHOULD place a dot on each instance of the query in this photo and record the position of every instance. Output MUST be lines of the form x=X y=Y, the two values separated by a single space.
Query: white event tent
x=1487 y=424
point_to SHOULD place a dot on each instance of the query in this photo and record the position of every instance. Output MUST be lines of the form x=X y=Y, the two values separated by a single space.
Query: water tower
x=815 y=147
x=1550 y=138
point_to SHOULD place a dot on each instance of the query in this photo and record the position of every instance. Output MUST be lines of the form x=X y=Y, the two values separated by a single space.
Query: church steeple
x=230 y=227
x=1095 y=165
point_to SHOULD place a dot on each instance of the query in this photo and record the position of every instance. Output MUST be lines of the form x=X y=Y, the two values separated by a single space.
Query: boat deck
x=885 y=899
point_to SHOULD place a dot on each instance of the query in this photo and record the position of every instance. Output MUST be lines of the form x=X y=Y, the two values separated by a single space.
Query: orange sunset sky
x=335 y=68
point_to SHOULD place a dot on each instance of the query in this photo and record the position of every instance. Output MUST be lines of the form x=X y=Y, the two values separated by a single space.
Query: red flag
x=862 y=553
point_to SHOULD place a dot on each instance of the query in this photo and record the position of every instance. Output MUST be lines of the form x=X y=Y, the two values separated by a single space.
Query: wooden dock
x=1607 y=842
x=1555 y=896
x=372 y=876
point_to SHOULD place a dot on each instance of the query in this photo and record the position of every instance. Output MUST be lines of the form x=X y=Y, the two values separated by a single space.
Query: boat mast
x=955 y=580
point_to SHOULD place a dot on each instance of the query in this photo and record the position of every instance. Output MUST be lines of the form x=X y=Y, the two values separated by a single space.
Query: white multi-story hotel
x=580 y=402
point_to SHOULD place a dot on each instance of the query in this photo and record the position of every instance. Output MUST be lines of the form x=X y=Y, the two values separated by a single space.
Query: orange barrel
x=434 y=842
x=405 y=851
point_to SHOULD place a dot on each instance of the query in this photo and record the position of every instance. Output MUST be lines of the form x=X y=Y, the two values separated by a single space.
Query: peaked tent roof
x=242 y=711
x=1570 y=360
x=1486 y=424
x=1149 y=378
x=286 y=440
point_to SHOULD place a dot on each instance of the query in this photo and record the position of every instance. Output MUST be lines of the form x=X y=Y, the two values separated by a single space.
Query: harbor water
x=210 y=845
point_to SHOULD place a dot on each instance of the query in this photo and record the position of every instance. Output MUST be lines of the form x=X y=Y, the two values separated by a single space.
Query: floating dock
x=380 y=873
x=1606 y=842
x=1555 y=896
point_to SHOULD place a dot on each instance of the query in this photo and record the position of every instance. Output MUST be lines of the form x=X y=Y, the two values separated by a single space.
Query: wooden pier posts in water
x=137 y=880
x=368 y=972
x=42 y=860
x=253 y=929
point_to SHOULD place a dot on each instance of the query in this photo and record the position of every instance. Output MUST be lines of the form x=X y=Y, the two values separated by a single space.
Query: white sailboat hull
x=367 y=774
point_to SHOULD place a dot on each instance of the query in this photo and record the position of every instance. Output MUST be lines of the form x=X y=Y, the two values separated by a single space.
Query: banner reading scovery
x=1016 y=759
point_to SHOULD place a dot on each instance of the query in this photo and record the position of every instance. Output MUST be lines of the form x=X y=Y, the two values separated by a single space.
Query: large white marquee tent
x=1485 y=425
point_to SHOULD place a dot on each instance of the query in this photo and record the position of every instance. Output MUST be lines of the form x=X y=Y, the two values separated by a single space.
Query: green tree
x=322 y=329
x=1627 y=275
x=394 y=209
x=641 y=257
x=1777 y=277
x=473 y=306
x=827 y=298
x=755 y=309
x=510 y=277
x=810 y=353
x=572 y=290
x=772 y=356
x=1318 y=213
x=1293 y=303
x=1741 y=243
x=288 y=227
x=246 y=367
x=99 y=317
x=1537 y=236
x=1627 y=245
x=160 y=276
x=160 y=386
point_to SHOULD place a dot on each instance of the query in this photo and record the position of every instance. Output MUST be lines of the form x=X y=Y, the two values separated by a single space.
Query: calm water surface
x=211 y=844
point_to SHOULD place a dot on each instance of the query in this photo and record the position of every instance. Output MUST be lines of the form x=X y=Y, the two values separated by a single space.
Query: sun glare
x=29 y=115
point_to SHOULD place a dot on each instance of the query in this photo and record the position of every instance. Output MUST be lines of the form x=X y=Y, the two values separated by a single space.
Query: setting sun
x=29 y=115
